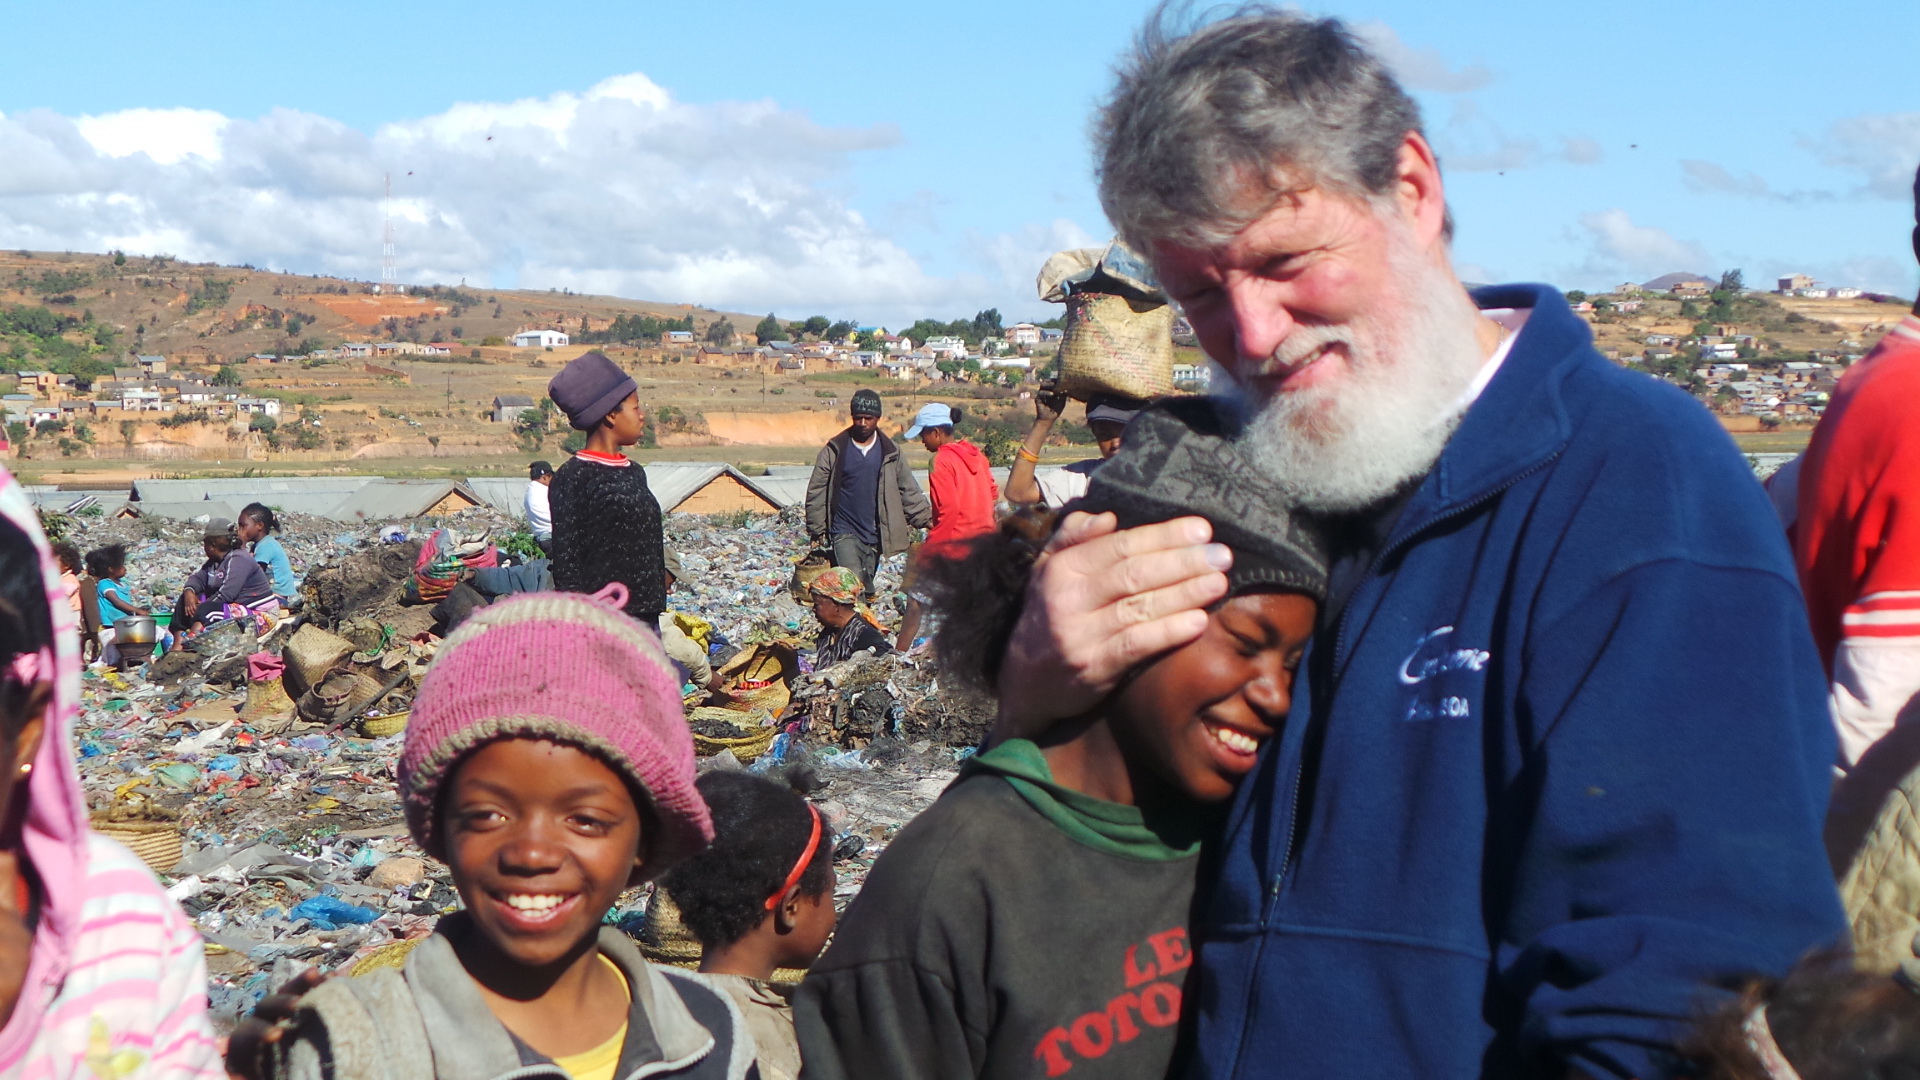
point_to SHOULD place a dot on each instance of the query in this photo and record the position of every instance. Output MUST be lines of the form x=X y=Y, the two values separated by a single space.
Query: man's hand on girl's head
x=1101 y=600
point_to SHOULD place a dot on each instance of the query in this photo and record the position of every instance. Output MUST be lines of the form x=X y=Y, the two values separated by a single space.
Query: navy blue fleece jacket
x=1560 y=763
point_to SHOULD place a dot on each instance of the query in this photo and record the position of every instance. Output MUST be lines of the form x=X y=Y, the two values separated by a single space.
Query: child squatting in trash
x=547 y=764
x=760 y=899
x=1033 y=921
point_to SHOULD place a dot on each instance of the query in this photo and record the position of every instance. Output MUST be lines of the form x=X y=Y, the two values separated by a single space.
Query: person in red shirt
x=1857 y=543
x=962 y=489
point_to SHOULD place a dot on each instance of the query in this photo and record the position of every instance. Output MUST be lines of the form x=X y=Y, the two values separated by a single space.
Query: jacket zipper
x=1340 y=641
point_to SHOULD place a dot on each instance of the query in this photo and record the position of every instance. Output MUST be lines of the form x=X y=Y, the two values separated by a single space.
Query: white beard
x=1384 y=422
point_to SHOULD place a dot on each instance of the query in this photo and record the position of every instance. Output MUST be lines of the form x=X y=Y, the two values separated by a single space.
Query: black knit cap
x=1180 y=459
x=865 y=403
x=590 y=387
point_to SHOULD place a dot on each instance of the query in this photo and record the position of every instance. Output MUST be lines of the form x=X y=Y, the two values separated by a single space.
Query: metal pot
x=135 y=630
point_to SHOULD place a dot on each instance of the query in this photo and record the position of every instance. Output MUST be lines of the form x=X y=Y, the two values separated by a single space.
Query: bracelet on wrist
x=1028 y=455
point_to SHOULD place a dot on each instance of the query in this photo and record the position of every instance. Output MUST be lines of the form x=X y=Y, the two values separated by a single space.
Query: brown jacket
x=903 y=506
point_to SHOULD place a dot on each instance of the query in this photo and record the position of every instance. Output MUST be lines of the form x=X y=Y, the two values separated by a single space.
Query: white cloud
x=1882 y=148
x=619 y=189
x=1472 y=141
x=1421 y=69
x=1580 y=150
x=1620 y=248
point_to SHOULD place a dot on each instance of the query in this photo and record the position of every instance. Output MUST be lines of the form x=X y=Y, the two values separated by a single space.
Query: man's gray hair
x=1209 y=129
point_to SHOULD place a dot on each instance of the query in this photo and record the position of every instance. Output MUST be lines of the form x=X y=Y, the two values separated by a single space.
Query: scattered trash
x=279 y=830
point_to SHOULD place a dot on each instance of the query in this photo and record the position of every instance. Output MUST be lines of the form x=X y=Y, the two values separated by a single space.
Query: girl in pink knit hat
x=546 y=762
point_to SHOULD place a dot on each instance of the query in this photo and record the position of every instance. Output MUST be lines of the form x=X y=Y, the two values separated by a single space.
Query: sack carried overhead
x=1119 y=327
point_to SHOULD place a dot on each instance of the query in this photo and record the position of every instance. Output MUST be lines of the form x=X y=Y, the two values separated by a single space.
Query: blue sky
x=887 y=160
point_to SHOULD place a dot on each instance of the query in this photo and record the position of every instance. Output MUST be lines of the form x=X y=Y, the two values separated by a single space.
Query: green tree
x=768 y=329
x=228 y=375
x=1733 y=282
x=17 y=432
x=1574 y=296
x=263 y=423
x=721 y=332
x=840 y=331
x=127 y=429
x=817 y=325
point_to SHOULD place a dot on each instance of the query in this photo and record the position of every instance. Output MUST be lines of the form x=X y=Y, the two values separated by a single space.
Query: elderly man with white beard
x=1558 y=754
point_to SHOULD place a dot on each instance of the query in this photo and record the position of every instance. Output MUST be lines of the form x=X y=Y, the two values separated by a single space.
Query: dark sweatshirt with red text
x=989 y=943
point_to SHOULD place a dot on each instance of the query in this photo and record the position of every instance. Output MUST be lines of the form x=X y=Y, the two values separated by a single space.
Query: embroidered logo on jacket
x=1435 y=657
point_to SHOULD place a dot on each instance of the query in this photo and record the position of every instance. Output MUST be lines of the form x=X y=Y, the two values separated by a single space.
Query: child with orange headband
x=759 y=899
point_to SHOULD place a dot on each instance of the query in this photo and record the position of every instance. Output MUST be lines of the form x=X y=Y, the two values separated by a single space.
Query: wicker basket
x=265 y=697
x=759 y=733
x=665 y=939
x=758 y=678
x=379 y=727
x=311 y=654
x=156 y=842
x=1112 y=347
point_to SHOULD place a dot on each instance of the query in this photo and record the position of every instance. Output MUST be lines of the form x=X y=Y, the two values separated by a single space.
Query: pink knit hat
x=572 y=669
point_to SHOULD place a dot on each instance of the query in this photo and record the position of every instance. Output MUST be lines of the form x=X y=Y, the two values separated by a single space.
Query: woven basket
x=1109 y=347
x=156 y=842
x=758 y=678
x=379 y=727
x=340 y=697
x=754 y=741
x=265 y=697
x=665 y=939
x=311 y=654
x=805 y=572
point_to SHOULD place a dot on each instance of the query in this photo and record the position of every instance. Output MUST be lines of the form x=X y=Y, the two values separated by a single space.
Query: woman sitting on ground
x=229 y=585
x=845 y=630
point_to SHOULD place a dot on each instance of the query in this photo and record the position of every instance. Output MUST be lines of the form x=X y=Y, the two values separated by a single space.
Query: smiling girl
x=1033 y=921
x=547 y=764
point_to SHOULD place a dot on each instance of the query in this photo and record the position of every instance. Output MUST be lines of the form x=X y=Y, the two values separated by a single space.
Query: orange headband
x=799 y=868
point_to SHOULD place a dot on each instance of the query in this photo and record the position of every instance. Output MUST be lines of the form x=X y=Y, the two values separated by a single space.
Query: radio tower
x=389 y=277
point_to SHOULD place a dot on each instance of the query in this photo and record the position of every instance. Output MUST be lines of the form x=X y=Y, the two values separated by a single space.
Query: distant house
x=1845 y=292
x=539 y=339
x=1192 y=375
x=1691 y=287
x=1662 y=339
x=677 y=337
x=356 y=350
x=437 y=348
x=1791 y=284
x=152 y=365
x=1628 y=288
x=947 y=347
x=254 y=406
x=1627 y=307
x=508 y=407
x=1721 y=350
x=1023 y=334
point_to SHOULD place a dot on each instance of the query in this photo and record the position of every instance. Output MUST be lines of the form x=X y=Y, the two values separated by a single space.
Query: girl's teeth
x=524 y=902
x=1237 y=741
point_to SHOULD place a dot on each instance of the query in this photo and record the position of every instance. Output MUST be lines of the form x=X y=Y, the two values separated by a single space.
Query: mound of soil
x=366 y=583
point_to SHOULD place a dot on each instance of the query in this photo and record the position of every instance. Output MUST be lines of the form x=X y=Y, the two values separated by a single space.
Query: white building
x=949 y=347
x=1024 y=333
x=539 y=339
x=261 y=406
x=1192 y=374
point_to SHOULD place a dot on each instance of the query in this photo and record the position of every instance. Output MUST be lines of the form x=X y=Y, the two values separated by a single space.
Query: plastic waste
x=328 y=913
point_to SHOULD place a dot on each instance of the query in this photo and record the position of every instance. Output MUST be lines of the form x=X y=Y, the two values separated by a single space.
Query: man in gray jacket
x=862 y=499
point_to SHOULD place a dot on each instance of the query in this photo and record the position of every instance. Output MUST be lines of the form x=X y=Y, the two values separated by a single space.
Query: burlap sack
x=1112 y=346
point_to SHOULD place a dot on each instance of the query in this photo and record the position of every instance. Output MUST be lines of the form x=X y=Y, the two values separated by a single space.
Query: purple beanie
x=590 y=387
x=571 y=669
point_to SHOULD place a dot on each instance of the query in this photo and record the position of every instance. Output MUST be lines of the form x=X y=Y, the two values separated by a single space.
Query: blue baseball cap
x=934 y=415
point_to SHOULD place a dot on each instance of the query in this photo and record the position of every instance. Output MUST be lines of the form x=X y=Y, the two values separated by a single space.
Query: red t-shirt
x=1857 y=539
x=963 y=492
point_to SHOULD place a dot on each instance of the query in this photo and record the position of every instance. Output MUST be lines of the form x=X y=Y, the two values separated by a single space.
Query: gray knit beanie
x=1180 y=459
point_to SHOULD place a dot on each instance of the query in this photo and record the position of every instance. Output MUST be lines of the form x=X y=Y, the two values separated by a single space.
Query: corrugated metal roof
x=673 y=482
x=785 y=491
x=788 y=471
x=393 y=499
x=198 y=510
x=507 y=494
x=248 y=488
x=48 y=497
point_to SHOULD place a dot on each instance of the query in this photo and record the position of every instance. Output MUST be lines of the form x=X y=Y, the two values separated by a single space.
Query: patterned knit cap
x=1179 y=459
x=839 y=584
x=570 y=669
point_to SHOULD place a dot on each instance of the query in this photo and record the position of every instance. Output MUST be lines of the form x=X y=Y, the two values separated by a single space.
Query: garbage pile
x=253 y=769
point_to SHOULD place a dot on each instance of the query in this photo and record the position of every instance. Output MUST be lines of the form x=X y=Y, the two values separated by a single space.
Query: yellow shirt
x=600 y=1062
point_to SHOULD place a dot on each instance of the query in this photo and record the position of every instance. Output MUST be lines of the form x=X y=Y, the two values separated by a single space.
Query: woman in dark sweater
x=1033 y=921
x=606 y=522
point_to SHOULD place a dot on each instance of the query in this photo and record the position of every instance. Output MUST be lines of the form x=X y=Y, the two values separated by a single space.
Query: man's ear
x=1419 y=191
